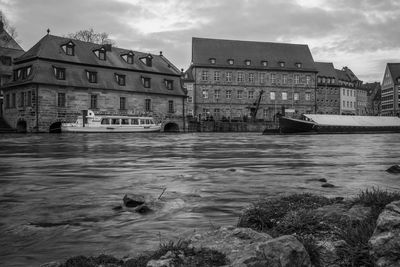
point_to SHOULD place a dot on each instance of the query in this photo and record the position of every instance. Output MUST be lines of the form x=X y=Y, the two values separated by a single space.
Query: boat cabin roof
x=342 y=120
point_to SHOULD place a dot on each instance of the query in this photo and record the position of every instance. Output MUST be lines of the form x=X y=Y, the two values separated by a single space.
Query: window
x=319 y=80
x=230 y=61
x=69 y=50
x=247 y=62
x=284 y=95
x=204 y=75
x=122 y=103
x=250 y=94
x=13 y=100
x=169 y=84
x=272 y=95
x=308 y=96
x=308 y=79
x=21 y=99
x=135 y=121
x=204 y=93
x=128 y=58
x=282 y=64
x=124 y=121
x=212 y=60
x=296 y=79
x=229 y=76
x=239 y=94
x=91 y=76
x=171 y=106
x=105 y=121
x=100 y=53
x=262 y=77
x=22 y=73
x=147 y=105
x=5 y=60
x=216 y=76
x=93 y=101
x=61 y=100
x=7 y=101
x=120 y=79
x=251 y=77
x=190 y=99
x=264 y=63
x=115 y=121
x=59 y=73
x=228 y=94
x=146 y=82
x=298 y=65
x=273 y=78
x=29 y=99
x=284 y=78
x=240 y=77
x=217 y=93
x=296 y=96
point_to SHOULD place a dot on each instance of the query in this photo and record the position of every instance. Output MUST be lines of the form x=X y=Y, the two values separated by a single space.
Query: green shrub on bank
x=376 y=198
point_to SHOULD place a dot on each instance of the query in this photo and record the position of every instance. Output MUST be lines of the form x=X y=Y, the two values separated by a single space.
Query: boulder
x=133 y=200
x=327 y=185
x=385 y=242
x=394 y=169
x=340 y=211
x=246 y=247
x=328 y=252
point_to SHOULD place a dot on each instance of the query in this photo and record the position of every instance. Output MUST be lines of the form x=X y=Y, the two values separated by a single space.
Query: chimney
x=107 y=47
x=160 y=53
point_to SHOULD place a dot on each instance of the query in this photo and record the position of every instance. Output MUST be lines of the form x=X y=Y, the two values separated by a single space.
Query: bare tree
x=90 y=35
x=7 y=26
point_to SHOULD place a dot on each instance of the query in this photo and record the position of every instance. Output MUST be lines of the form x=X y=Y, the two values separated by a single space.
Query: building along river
x=58 y=191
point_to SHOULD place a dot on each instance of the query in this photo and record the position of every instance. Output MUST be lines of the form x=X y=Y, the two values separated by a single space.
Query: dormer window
x=282 y=64
x=147 y=60
x=59 y=73
x=398 y=80
x=169 y=84
x=22 y=73
x=213 y=61
x=69 y=48
x=247 y=62
x=100 y=53
x=5 y=60
x=91 y=76
x=230 y=61
x=264 y=63
x=146 y=82
x=128 y=58
x=120 y=79
x=298 y=65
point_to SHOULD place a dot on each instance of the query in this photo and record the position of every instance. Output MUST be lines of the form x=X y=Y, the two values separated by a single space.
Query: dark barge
x=335 y=124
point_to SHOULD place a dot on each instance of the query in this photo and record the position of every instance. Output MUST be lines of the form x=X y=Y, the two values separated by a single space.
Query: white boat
x=89 y=122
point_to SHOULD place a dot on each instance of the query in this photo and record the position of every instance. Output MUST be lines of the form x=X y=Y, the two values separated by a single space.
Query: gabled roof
x=49 y=47
x=188 y=75
x=351 y=74
x=394 y=69
x=326 y=69
x=342 y=75
x=7 y=41
x=204 y=49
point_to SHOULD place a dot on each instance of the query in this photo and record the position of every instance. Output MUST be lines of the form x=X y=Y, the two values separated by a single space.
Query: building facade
x=59 y=77
x=9 y=50
x=390 y=104
x=349 y=86
x=328 y=89
x=373 y=98
x=241 y=80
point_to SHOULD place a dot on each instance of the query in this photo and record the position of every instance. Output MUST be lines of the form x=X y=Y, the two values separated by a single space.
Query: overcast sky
x=361 y=34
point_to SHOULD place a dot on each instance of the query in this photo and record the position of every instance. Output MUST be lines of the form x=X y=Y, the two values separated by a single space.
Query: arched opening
x=21 y=127
x=55 y=127
x=171 y=127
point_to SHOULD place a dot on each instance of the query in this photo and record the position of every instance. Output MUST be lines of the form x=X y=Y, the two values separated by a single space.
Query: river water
x=58 y=191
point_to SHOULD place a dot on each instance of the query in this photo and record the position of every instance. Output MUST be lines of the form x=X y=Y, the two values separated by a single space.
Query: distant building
x=373 y=98
x=390 y=104
x=188 y=85
x=59 y=77
x=9 y=50
x=351 y=101
x=236 y=80
x=328 y=89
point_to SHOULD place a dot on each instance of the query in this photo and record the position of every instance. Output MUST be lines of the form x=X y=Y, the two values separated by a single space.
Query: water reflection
x=57 y=191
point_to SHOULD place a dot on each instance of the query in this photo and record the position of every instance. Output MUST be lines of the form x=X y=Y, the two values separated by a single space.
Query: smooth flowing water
x=57 y=192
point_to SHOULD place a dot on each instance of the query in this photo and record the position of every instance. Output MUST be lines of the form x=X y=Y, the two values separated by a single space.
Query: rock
x=232 y=170
x=327 y=185
x=160 y=263
x=143 y=209
x=132 y=200
x=328 y=252
x=358 y=213
x=116 y=208
x=246 y=247
x=322 y=180
x=394 y=169
x=340 y=211
x=385 y=242
x=52 y=264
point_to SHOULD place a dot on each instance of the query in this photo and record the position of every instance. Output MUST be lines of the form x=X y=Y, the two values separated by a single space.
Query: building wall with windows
x=390 y=102
x=230 y=77
x=350 y=85
x=58 y=78
x=328 y=90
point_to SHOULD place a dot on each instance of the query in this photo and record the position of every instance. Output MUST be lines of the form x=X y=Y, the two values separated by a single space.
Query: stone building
x=188 y=85
x=59 y=77
x=390 y=104
x=328 y=89
x=373 y=98
x=238 y=80
x=349 y=95
x=9 y=50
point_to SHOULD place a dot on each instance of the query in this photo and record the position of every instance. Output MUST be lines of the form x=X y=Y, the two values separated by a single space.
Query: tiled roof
x=394 y=69
x=351 y=74
x=222 y=50
x=48 y=54
x=326 y=69
x=188 y=75
x=342 y=75
x=7 y=41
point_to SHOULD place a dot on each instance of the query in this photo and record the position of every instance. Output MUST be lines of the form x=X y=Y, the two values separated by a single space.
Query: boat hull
x=80 y=129
x=288 y=125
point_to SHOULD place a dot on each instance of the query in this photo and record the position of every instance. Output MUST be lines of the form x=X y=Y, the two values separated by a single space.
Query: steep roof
x=7 y=41
x=49 y=47
x=351 y=74
x=394 y=69
x=326 y=69
x=188 y=75
x=342 y=75
x=204 y=49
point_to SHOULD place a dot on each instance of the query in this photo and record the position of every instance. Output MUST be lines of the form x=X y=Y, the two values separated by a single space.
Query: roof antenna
x=48 y=31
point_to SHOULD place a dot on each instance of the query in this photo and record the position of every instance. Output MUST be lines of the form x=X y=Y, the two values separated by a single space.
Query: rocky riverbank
x=295 y=230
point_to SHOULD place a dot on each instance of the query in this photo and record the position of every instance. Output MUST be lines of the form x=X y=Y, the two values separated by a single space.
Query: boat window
x=142 y=121
x=134 y=121
x=114 y=121
x=152 y=122
x=148 y=122
x=105 y=121
x=124 y=121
